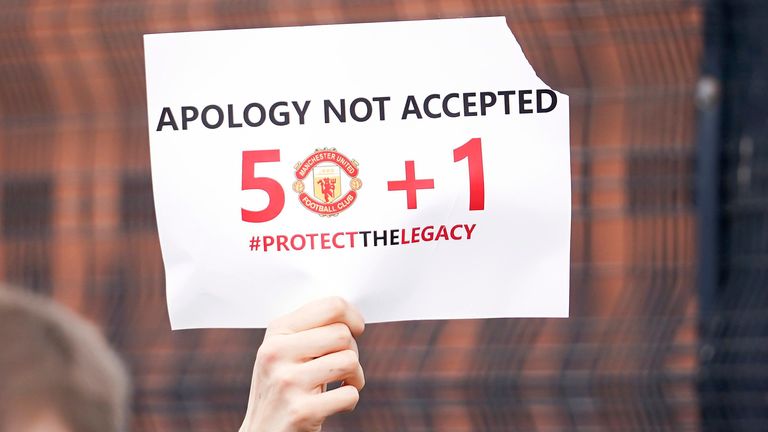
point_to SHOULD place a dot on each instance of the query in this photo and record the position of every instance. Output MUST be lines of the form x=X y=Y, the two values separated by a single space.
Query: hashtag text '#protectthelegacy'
x=361 y=239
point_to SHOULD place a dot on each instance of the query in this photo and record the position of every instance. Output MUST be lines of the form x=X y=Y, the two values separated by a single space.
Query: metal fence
x=77 y=220
x=733 y=210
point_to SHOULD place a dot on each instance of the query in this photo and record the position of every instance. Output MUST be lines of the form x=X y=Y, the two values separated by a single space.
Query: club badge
x=326 y=170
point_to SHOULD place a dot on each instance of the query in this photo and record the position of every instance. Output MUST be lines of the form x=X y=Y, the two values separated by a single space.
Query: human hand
x=301 y=353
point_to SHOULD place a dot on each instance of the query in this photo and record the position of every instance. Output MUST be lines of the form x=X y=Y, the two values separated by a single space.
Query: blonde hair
x=52 y=359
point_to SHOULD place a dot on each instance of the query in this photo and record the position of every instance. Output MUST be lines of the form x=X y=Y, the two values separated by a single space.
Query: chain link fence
x=77 y=221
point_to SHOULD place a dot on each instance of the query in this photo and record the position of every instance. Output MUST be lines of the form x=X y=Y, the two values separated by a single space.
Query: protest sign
x=418 y=169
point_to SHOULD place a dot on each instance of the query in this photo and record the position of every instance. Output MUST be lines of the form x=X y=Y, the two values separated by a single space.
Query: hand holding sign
x=302 y=352
x=419 y=169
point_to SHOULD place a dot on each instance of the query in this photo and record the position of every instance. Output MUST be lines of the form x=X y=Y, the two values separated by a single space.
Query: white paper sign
x=418 y=169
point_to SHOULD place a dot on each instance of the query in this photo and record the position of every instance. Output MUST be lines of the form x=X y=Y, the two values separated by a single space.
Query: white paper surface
x=508 y=259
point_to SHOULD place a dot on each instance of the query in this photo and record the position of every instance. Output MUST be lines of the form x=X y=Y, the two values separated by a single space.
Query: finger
x=338 y=366
x=317 y=314
x=338 y=400
x=318 y=341
x=357 y=380
x=355 y=348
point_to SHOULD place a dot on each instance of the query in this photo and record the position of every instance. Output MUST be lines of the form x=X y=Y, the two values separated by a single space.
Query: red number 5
x=268 y=185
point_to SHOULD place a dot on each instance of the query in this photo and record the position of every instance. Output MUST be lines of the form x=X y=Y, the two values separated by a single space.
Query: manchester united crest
x=322 y=182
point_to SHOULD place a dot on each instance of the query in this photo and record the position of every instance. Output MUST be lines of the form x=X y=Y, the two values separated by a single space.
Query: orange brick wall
x=72 y=111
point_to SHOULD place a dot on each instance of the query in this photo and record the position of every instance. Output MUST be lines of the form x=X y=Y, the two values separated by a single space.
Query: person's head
x=57 y=372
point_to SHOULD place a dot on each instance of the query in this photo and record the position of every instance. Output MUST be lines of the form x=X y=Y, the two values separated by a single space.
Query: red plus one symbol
x=410 y=184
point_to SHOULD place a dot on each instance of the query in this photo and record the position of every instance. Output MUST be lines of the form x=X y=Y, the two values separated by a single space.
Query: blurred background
x=669 y=306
